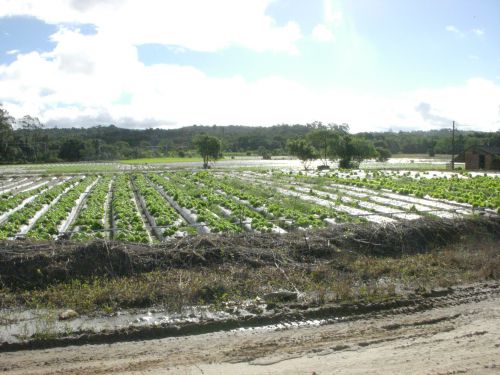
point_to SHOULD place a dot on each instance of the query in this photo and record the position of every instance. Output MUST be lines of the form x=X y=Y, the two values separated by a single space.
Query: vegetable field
x=153 y=207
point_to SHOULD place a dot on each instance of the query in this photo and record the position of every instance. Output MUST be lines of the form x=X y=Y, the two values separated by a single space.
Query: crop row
x=375 y=205
x=22 y=217
x=11 y=200
x=127 y=219
x=237 y=212
x=163 y=214
x=47 y=226
x=188 y=198
x=288 y=210
x=349 y=206
x=231 y=202
x=91 y=222
x=478 y=191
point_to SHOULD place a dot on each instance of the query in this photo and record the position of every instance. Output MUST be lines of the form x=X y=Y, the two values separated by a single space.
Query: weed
x=341 y=276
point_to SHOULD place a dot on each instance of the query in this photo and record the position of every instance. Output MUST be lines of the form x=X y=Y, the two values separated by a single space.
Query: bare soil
x=453 y=333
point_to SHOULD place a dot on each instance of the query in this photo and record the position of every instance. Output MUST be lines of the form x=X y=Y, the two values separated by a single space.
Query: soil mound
x=28 y=265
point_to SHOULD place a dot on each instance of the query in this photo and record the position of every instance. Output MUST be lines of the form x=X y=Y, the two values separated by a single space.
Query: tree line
x=333 y=142
x=27 y=140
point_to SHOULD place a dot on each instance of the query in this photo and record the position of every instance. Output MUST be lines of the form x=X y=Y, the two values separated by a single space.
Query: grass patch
x=345 y=279
x=405 y=166
x=61 y=168
x=162 y=160
x=422 y=156
x=345 y=263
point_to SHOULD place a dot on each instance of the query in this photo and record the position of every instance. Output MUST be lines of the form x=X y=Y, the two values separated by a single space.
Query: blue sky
x=374 y=64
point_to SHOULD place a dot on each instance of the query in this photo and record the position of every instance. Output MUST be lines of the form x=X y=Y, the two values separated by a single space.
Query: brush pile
x=27 y=265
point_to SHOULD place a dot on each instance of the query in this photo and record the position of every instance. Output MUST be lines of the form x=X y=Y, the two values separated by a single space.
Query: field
x=152 y=207
x=398 y=162
x=138 y=252
x=161 y=160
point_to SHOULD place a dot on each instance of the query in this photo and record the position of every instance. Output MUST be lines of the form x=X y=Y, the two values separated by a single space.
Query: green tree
x=264 y=152
x=209 y=148
x=383 y=154
x=327 y=140
x=9 y=151
x=353 y=150
x=34 y=142
x=303 y=150
x=71 y=150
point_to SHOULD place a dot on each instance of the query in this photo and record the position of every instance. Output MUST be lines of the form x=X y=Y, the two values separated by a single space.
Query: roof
x=486 y=149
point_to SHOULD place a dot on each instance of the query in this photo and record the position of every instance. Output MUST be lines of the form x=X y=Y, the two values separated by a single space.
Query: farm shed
x=482 y=157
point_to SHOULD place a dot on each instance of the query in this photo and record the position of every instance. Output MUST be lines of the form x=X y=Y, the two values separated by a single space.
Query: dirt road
x=452 y=334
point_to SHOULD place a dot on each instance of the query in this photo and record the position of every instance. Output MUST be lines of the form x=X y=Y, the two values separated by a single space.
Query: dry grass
x=343 y=279
x=346 y=263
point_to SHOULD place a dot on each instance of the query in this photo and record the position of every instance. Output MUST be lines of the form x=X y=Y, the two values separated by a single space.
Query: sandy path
x=460 y=336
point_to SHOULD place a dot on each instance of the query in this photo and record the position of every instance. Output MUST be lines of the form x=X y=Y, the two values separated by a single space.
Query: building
x=482 y=157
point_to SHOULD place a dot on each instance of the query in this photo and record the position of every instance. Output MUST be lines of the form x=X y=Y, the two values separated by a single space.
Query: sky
x=376 y=65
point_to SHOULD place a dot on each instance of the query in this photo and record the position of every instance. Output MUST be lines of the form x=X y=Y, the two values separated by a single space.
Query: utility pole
x=453 y=147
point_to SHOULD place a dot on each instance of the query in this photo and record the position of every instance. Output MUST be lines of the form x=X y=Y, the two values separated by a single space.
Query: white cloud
x=322 y=33
x=331 y=15
x=455 y=30
x=12 y=52
x=83 y=80
x=193 y=24
x=478 y=32
x=475 y=103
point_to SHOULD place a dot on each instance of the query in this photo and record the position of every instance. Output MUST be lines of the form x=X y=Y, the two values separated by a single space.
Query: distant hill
x=37 y=144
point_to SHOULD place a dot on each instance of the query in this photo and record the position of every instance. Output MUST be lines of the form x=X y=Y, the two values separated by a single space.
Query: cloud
x=322 y=33
x=119 y=89
x=478 y=32
x=104 y=118
x=474 y=103
x=84 y=5
x=331 y=15
x=425 y=110
x=91 y=79
x=452 y=29
x=193 y=24
x=12 y=52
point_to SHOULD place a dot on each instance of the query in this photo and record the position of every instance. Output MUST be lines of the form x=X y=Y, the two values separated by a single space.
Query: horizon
x=376 y=65
x=16 y=127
